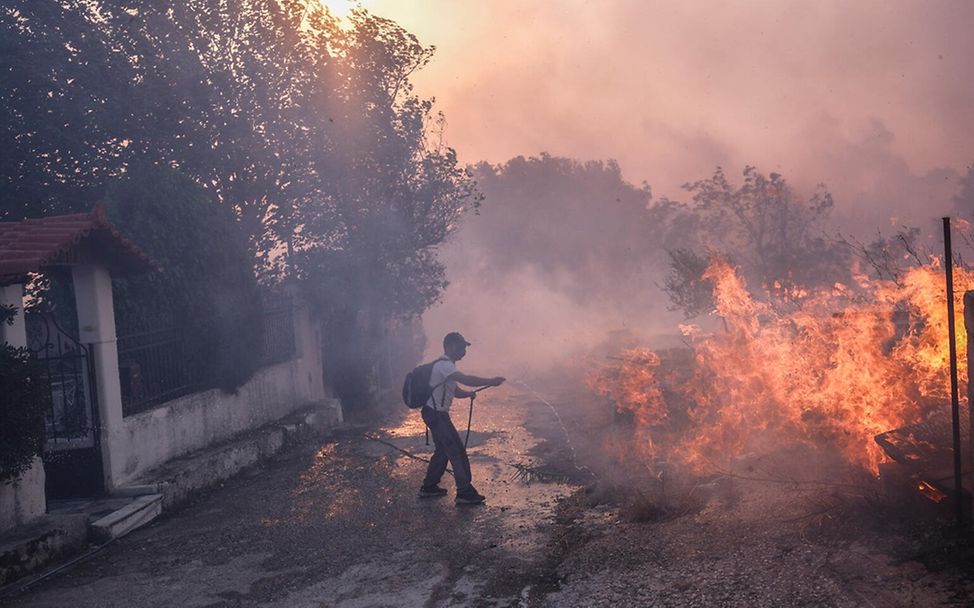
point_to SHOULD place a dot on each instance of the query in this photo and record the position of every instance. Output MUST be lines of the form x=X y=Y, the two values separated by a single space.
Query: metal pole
x=969 y=326
x=954 y=399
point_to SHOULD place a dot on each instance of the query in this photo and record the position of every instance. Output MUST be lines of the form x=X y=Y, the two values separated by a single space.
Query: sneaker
x=434 y=492
x=470 y=498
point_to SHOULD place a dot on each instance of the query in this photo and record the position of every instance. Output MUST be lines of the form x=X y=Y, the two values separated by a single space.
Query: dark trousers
x=448 y=448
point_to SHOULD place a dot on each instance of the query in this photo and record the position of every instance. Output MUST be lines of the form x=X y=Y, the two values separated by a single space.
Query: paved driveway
x=339 y=524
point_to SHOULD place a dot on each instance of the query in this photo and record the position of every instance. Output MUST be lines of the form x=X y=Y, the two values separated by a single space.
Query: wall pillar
x=96 y=327
x=15 y=335
x=307 y=345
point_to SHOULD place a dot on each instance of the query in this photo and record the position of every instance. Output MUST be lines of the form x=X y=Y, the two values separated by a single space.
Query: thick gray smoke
x=566 y=255
x=561 y=255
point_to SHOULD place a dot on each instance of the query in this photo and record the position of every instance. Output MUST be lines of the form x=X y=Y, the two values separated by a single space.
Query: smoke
x=875 y=187
x=519 y=325
x=561 y=254
x=872 y=98
x=869 y=98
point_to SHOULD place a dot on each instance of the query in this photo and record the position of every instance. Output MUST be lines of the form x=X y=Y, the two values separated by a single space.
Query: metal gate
x=72 y=453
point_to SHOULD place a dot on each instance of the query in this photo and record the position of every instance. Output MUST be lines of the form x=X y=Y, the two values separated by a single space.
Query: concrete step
x=140 y=511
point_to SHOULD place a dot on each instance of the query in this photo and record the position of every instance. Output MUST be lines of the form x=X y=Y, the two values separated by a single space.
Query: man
x=436 y=414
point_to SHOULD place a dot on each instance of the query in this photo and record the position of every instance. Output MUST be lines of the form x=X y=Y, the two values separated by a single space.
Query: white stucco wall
x=195 y=421
x=22 y=501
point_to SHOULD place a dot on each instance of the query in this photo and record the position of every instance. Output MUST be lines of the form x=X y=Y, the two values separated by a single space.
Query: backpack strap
x=433 y=394
x=443 y=384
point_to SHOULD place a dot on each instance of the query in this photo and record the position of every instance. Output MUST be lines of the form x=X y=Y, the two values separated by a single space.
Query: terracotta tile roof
x=30 y=245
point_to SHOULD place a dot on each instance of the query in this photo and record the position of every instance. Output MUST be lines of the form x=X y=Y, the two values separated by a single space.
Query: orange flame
x=837 y=371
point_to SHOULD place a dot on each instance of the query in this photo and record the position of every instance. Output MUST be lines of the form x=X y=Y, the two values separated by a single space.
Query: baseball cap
x=454 y=337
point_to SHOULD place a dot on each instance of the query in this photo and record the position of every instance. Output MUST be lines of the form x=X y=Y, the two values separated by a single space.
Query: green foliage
x=91 y=88
x=22 y=401
x=375 y=229
x=60 y=125
x=567 y=219
x=206 y=287
x=308 y=131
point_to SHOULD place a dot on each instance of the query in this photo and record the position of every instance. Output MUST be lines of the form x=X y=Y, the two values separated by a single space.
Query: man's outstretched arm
x=476 y=381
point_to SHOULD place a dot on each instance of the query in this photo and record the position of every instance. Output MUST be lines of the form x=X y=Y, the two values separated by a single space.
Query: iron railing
x=161 y=365
x=155 y=367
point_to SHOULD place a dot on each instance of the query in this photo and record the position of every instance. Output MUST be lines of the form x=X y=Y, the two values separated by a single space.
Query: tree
x=776 y=238
x=23 y=401
x=685 y=285
x=205 y=287
x=365 y=245
x=59 y=88
x=230 y=93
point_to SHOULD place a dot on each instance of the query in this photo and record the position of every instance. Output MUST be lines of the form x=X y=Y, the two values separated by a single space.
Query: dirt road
x=339 y=524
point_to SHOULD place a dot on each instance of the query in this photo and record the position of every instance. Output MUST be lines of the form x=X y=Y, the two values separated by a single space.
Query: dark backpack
x=416 y=389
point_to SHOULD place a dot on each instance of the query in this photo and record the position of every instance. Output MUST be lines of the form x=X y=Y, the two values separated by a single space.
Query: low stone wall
x=22 y=501
x=202 y=419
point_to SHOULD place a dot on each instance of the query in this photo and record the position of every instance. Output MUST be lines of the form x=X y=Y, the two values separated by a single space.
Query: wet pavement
x=337 y=523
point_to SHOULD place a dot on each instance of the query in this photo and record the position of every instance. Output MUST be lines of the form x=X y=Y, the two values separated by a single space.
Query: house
x=113 y=419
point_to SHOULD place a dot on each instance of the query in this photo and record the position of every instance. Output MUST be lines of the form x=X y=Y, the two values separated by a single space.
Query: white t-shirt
x=442 y=396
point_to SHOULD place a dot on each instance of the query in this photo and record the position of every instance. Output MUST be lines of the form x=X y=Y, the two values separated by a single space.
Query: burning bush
x=834 y=370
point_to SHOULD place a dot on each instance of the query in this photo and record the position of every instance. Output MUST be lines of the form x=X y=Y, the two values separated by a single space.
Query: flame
x=832 y=369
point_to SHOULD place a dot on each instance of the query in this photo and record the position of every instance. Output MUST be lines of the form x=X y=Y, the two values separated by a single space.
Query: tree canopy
x=205 y=287
x=307 y=128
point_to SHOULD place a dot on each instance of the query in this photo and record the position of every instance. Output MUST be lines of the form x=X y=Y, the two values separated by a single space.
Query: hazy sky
x=874 y=98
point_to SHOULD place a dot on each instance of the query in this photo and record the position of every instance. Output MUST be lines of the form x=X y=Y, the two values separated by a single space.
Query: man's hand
x=497 y=381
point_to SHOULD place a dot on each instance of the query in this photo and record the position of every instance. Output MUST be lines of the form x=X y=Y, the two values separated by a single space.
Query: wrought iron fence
x=154 y=367
x=161 y=365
